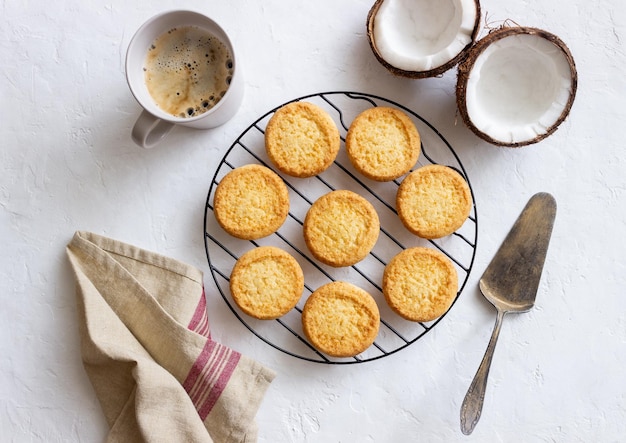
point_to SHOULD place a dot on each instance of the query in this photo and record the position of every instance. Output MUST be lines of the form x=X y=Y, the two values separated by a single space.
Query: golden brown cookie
x=251 y=202
x=301 y=139
x=383 y=143
x=420 y=284
x=433 y=201
x=341 y=228
x=340 y=319
x=266 y=282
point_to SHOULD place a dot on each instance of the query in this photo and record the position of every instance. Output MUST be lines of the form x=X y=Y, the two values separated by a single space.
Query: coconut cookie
x=266 y=282
x=341 y=228
x=340 y=319
x=420 y=284
x=433 y=201
x=251 y=202
x=301 y=139
x=383 y=143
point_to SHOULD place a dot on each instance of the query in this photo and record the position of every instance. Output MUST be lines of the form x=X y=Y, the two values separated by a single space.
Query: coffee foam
x=187 y=71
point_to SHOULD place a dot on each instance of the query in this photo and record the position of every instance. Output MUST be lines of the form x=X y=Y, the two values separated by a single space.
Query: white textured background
x=67 y=163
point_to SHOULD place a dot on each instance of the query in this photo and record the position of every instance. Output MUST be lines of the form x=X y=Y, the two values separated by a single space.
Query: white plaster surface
x=67 y=163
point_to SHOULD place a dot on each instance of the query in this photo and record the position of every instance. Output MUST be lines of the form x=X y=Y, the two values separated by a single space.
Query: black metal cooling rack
x=285 y=333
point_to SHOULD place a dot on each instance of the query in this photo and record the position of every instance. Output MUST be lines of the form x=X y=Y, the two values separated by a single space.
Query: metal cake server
x=510 y=283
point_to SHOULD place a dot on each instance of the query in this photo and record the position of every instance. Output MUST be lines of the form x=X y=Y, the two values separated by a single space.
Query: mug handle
x=150 y=130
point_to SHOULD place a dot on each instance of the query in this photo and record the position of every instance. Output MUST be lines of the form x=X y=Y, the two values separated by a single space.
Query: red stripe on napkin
x=209 y=376
x=200 y=321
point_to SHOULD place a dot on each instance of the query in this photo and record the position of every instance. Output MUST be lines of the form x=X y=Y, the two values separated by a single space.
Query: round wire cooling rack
x=285 y=333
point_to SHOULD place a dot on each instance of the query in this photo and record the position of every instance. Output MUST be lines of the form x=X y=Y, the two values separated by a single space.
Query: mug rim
x=151 y=107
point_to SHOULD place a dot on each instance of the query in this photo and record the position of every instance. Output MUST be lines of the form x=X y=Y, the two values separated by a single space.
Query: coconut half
x=516 y=86
x=422 y=38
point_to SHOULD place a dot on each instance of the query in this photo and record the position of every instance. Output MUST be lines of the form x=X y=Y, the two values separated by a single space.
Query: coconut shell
x=439 y=70
x=465 y=68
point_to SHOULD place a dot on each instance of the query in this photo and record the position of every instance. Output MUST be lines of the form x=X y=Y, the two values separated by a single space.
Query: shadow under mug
x=154 y=124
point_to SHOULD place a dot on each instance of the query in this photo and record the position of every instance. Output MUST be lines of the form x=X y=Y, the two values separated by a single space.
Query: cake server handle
x=473 y=401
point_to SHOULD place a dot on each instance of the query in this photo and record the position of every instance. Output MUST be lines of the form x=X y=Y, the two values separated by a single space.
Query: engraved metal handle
x=473 y=402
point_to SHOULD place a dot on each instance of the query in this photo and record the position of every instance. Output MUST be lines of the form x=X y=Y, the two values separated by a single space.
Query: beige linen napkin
x=147 y=350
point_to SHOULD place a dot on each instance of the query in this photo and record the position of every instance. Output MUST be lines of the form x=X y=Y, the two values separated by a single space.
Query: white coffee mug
x=154 y=124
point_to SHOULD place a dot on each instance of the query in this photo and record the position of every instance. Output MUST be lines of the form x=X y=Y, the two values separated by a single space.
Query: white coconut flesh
x=518 y=88
x=420 y=35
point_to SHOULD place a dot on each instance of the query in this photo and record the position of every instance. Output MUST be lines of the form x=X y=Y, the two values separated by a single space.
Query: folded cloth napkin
x=147 y=350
